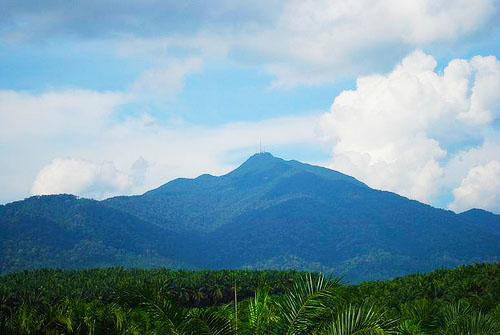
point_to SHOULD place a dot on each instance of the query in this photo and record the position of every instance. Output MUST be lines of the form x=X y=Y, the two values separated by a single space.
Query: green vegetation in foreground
x=465 y=300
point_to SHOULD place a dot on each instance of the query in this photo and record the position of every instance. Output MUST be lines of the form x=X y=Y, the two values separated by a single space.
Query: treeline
x=189 y=288
x=465 y=300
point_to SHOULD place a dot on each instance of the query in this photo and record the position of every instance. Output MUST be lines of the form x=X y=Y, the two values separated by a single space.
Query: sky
x=104 y=98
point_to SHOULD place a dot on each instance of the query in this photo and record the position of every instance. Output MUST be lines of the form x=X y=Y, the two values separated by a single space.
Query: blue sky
x=100 y=98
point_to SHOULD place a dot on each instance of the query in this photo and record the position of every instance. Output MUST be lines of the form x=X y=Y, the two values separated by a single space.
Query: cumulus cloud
x=393 y=130
x=485 y=100
x=480 y=189
x=459 y=165
x=82 y=177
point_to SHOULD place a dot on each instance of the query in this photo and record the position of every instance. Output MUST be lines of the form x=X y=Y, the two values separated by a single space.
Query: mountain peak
x=269 y=167
x=477 y=211
x=257 y=163
x=262 y=156
x=259 y=159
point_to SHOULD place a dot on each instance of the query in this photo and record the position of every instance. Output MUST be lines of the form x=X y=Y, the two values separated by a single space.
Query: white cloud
x=321 y=41
x=72 y=111
x=37 y=127
x=485 y=100
x=184 y=150
x=414 y=131
x=57 y=142
x=480 y=188
x=459 y=165
x=393 y=131
x=310 y=42
x=82 y=177
x=167 y=79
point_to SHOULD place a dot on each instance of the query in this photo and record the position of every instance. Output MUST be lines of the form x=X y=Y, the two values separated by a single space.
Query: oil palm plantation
x=153 y=302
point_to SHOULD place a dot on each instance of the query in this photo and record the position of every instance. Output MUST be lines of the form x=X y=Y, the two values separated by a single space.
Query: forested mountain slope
x=208 y=202
x=268 y=213
x=67 y=232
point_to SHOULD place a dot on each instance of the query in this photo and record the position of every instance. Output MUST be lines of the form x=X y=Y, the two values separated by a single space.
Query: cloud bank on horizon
x=104 y=98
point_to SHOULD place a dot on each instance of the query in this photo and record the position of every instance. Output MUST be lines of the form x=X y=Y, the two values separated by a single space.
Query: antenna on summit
x=262 y=148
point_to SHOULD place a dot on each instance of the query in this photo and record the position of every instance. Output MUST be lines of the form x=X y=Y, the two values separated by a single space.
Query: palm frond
x=362 y=320
x=206 y=322
x=475 y=324
x=453 y=315
x=261 y=314
x=304 y=305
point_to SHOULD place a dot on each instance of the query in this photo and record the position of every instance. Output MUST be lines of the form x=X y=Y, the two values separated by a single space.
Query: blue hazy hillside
x=267 y=213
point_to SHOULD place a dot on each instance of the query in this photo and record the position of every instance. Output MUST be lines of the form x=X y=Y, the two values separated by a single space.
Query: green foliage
x=306 y=304
x=118 y=302
x=262 y=314
x=362 y=320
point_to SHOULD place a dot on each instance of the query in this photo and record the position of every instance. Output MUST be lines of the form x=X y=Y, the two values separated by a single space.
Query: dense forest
x=271 y=213
x=465 y=300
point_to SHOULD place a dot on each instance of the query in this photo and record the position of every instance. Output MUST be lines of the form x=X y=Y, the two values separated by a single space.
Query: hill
x=67 y=232
x=267 y=213
x=209 y=202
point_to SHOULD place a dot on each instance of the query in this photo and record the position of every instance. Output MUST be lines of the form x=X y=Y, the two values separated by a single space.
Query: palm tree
x=362 y=320
x=261 y=314
x=8 y=305
x=409 y=327
x=459 y=319
x=308 y=304
x=422 y=313
x=453 y=315
x=206 y=322
x=170 y=318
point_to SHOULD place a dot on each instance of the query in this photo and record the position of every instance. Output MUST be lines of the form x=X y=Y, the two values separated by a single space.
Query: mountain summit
x=268 y=165
x=267 y=213
x=260 y=161
x=208 y=202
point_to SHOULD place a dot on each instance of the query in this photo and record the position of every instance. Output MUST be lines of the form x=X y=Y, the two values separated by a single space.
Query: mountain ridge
x=268 y=212
x=240 y=189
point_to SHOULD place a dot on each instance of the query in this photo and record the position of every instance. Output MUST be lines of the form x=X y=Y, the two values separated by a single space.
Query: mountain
x=206 y=203
x=482 y=217
x=68 y=232
x=267 y=213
